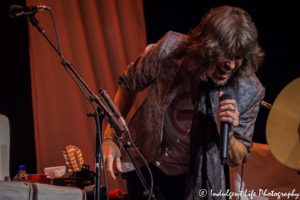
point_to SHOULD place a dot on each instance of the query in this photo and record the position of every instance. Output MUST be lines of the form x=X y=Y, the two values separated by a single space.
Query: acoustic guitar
x=80 y=175
x=283 y=126
x=73 y=158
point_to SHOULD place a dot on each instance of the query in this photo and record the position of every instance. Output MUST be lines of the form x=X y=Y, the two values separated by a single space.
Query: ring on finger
x=232 y=121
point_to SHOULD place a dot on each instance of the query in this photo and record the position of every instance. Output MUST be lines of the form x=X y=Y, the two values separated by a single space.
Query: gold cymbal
x=283 y=126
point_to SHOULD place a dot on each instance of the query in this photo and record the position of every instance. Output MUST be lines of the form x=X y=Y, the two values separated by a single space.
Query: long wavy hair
x=226 y=32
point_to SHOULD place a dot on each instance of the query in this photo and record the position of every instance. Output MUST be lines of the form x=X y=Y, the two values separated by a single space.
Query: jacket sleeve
x=143 y=71
x=244 y=131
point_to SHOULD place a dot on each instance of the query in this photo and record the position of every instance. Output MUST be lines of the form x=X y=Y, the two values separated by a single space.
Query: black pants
x=165 y=187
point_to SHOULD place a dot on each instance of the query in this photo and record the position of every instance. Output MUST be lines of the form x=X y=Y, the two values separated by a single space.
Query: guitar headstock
x=73 y=157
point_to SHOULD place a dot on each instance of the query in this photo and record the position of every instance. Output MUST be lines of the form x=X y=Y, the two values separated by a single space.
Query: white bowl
x=55 y=172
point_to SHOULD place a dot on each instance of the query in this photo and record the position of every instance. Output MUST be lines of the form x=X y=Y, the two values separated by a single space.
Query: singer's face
x=223 y=69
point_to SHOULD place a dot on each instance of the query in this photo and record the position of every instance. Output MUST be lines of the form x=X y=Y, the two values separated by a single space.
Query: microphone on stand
x=17 y=10
x=105 y=96
x=224 y=132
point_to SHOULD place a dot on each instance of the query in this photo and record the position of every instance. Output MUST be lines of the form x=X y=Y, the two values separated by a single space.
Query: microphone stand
x=100 y=112
x=102 y=107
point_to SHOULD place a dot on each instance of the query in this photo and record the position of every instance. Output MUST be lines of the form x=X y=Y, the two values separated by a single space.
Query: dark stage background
x=277 y=23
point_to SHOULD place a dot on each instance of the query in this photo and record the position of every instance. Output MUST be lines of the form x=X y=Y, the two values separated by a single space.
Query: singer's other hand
x=111 y=154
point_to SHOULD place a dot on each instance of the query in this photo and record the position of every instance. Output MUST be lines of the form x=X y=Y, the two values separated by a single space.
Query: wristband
x=111 y=138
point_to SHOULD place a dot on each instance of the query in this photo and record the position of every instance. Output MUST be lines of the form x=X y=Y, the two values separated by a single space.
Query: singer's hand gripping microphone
x=224 y=131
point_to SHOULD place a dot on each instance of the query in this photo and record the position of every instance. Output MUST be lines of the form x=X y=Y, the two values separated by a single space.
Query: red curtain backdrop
x=99 y=37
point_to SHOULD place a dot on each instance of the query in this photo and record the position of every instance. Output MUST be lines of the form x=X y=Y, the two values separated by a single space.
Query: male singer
x=177 y=128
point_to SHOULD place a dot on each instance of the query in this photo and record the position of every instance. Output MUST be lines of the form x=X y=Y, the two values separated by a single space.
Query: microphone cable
x=242 y=170
x=109 y=103
x=64 y=62
x=146 y=164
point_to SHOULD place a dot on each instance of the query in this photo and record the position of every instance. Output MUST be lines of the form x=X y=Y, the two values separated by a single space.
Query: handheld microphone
x=224 y=132
x=17 y=10
x=105 y=96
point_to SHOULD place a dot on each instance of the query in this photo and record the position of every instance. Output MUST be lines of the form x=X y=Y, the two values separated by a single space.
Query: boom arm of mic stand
x=92 y=97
